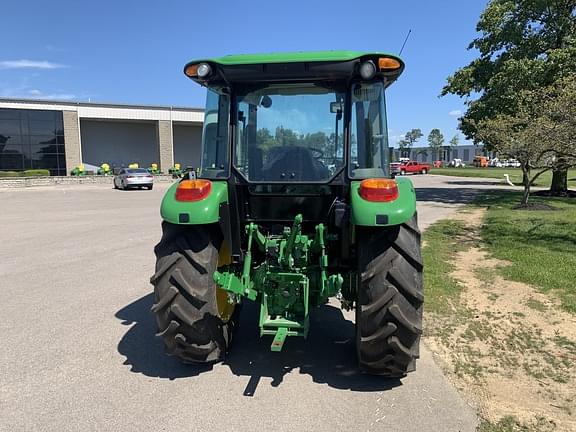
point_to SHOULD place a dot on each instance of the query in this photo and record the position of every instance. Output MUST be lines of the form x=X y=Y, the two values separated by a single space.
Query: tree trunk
x=526 y=183
x=559 y=186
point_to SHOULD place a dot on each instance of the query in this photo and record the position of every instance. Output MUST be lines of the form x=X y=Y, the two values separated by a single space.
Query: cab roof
x=335 y=64
x=294 y=57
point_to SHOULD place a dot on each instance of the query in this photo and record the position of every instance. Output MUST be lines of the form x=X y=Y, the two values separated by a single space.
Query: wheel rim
x=225 y=308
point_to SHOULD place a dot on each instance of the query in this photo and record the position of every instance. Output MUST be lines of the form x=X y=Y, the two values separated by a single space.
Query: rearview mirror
x=336 y=107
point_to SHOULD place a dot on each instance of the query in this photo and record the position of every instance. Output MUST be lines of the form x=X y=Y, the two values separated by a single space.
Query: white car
x=495 y=162
x=456 y=163
x=133 y=178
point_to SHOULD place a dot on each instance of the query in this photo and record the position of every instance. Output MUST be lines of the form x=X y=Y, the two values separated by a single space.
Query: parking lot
x=79 y=351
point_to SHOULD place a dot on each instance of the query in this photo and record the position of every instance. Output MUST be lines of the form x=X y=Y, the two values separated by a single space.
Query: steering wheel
x=316 y=152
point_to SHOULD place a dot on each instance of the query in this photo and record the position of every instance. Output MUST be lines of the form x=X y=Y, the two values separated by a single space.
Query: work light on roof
x=203 y=70
x=367 y=70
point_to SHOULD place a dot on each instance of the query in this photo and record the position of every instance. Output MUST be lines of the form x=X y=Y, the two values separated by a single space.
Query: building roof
x=110 y=111
x=69 y=103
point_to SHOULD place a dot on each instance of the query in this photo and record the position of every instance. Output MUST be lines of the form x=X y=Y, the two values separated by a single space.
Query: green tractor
x=293 y=204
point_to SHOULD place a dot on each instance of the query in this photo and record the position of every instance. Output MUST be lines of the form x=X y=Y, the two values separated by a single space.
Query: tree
x=265 y=139
x=435 y=142
x=556 y=123
x=406 y=143
x=454 y=141
x=539 y=133
x=523 y=45
x=452 y=144
x=510 y=137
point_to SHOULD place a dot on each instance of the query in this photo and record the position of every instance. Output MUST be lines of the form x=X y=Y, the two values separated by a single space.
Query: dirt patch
x=511 y=349
x=535 y=207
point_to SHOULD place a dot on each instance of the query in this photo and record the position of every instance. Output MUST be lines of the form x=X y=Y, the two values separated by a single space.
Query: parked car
x=395 y=168
x=413 y=167
x=456 y=163
x=133 y=178
x=496 y=163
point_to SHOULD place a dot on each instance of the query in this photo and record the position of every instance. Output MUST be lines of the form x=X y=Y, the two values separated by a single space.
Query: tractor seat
x=293 y=163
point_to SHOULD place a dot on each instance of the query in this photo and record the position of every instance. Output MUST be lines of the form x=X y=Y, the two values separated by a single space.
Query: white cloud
x=455 y=113
x=61 y=96
x=29 y=64
x=27 y=93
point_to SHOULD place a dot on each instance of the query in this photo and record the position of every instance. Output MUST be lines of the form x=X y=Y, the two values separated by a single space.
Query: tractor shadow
x=328 y=355
x=461 y=195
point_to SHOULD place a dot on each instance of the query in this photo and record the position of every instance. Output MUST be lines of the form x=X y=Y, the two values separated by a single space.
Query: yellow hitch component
x=225 y=308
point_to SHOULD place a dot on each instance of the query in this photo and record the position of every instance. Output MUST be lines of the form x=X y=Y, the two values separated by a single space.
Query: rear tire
x=390 y=299
x=185 y=302
x=149 y=187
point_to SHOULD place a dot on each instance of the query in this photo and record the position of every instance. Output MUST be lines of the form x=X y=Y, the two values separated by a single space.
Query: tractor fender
x=205 y=211
x=367 y=213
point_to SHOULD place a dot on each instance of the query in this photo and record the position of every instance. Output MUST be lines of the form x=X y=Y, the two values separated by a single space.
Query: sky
x=133 y=52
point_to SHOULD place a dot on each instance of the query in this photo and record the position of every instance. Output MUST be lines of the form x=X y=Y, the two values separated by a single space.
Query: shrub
x=35 y=172
x=9 y=174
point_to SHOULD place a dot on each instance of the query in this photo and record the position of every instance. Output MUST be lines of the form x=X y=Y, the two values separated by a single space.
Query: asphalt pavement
x=79 y=352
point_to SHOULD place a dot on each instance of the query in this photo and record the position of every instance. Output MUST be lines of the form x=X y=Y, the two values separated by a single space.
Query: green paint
x=293 y=277
x=293 y=57
x=199 y=212
x=279 y=339
x=398 y=211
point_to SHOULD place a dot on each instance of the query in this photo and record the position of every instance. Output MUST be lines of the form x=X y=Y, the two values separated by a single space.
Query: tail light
x=379 y=190
x=193 y=190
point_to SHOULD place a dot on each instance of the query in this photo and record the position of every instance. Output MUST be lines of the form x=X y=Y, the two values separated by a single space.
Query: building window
x=32 y=139
x=466 y=154
x=455 y=153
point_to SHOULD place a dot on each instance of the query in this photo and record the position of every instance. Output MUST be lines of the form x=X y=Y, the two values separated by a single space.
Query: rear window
x=137 y=171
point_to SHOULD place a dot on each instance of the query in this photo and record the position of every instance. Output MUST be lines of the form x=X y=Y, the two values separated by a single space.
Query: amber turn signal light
x=191 y=70
x=193 y=190
x=388 y=64
x=379 y=190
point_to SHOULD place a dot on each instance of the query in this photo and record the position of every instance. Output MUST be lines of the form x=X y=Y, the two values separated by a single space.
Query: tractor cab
x=289 y=132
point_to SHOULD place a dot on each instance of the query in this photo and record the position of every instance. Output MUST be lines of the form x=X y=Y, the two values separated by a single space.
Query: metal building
x=58 y=136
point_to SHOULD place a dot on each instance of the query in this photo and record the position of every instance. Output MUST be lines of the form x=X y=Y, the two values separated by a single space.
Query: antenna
x=405 y=40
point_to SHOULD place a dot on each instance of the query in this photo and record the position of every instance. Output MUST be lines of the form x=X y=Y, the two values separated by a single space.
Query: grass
x=539 y=245
x=537 y=305
x=539 y=248
x=511 y=424
x=441 y=244
x=498 y=173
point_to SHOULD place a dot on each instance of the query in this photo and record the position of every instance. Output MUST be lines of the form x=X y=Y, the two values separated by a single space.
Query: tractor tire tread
x=390 y=299
x=185 y=304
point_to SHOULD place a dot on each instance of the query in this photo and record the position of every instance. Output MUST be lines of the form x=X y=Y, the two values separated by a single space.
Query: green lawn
x=515 y=174
x=441 y=242
x=540 y=245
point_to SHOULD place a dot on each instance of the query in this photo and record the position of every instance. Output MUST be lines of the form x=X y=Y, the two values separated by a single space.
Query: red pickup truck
x=410 y=167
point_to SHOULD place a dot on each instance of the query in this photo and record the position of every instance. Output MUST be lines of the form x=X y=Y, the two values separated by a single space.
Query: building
x=58 y=136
